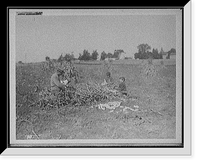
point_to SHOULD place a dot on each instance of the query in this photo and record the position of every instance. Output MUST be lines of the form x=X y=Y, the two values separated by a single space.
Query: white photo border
x=138 y=147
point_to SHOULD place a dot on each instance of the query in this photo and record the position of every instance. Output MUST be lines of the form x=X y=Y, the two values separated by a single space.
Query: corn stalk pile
x=83 y=94
x=93 y=93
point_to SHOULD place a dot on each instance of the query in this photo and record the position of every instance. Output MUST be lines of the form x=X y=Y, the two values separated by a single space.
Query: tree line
x=87 y=56
x=144 y=52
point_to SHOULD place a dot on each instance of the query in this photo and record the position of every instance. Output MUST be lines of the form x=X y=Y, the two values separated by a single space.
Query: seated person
x=108 y=80
x=122 y=87
x=56 y=85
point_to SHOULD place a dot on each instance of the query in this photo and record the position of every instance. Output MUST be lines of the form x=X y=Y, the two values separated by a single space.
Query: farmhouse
x=164 y=54
x=122 y=55
x=172 y=55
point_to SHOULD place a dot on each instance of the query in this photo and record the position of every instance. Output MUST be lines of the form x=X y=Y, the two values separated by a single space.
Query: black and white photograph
x=96 y=77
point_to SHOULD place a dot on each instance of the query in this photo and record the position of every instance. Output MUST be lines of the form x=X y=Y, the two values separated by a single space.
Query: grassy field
x=155 y=95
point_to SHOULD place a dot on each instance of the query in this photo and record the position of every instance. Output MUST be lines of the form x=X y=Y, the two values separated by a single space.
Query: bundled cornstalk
x=148 y=69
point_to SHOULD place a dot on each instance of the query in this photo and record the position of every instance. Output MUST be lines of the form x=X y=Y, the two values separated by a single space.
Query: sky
x=41 y=36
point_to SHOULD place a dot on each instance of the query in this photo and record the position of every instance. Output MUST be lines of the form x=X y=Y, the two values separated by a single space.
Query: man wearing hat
x=56 y=85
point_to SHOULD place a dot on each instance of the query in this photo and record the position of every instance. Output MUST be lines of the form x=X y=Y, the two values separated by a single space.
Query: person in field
x=70 y=72
x=108 y=79
x=69 y=79
x=122 y=87
x=56 y=84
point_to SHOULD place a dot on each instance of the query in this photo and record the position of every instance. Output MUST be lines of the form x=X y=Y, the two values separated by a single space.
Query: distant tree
x=117 y=53
x=155 y=51
x=69 y=57
x=143 y=48
x=61 y=58
x=80 y=55
x=94 y=55
x=143 y=52
x=150 y=55
x=136 y=56
x=156 y=55
x=103 y=55
x=85 y=56
x=20 y=62
x=47 y=58
x=173 y=50
x=109 y=55
x=141 y=56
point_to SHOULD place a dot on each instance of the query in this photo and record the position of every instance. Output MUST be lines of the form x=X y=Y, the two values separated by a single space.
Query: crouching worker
x=122 y=87
x=56 y=85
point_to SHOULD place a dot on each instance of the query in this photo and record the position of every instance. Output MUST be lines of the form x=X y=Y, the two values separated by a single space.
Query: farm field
x=154 y=95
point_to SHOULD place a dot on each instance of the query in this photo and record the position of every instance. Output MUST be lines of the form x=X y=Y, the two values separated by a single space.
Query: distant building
x=122 y=55
x=172 y=55
x=164 y=54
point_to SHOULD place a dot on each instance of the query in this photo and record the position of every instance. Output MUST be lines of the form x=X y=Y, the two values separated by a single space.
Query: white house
x=172 y=56
x=122 y=55
x=164 y=55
